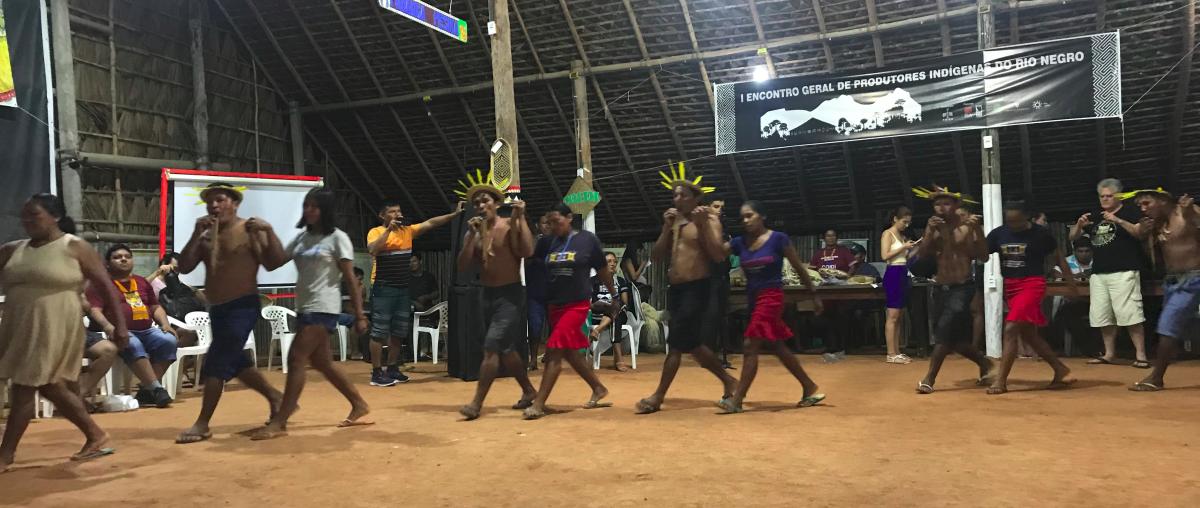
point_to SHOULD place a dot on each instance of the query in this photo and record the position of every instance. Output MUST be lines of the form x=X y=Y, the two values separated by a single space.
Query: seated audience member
x=100 y=355
x=602 y=302
x=832 y=255
x=150 y=350
x=860 y=266
x=425 y=293
x=176 y=298
x=1070 y=314
x=1080 y=261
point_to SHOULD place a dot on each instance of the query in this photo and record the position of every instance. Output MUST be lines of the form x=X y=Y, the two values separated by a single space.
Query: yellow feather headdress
x=1159 y=191
x=679 y=177
x=474 y=184
x=941 y=192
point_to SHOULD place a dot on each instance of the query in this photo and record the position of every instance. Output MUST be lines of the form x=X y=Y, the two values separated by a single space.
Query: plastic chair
x=633 y=325
x=342 y=332
x=277 y=316
x=170 y=378
x=435 y=333
x=200 y=323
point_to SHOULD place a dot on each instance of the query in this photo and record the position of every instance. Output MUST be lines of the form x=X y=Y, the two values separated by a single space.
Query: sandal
x=901 y=359
x=1099 y=360
x=1141 y=364
x=532 y=413
x=924 y=389
x=729 y=407
x=1145 y=386
x=811 y=400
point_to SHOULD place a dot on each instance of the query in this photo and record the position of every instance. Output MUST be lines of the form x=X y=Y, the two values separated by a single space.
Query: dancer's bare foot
x=598 y=395
x=651 y=404
x=195 y=434
x=469 y=412
x=270 y=431
x=1062 y=379
x=730 y=388
x=6 y=462
x=534 y=412
x=997 y=389
x=987 y=374
x=94 y=448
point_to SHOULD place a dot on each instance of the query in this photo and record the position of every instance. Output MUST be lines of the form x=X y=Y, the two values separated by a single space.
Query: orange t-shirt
x=391 y=267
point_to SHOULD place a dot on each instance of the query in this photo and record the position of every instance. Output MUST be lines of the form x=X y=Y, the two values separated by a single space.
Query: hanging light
x=761 y=73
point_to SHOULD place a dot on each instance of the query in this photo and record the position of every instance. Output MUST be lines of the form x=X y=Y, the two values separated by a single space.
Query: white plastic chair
x=278 y=317
x=200 y=323
x=435 y=333
x=170 y=378
x=341 y=333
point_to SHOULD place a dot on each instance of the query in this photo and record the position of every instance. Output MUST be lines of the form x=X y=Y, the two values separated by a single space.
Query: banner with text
x=1065 y=79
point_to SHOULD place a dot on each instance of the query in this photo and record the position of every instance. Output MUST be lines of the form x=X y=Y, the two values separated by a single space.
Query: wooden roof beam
x=1175 y=125
x=901 y=166
x=382 y=93
x=612 y=123
x=435 y=39
x=654 y=83
x=744 y=49
x=712 y=102
x=342 y=90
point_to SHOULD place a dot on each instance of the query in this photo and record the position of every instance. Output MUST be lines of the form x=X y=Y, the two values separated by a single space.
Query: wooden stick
x=215 y=243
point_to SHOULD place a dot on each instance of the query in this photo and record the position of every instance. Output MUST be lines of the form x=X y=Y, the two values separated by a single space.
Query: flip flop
x=730 y=408
x=186 y=438
x=1143 y=386
x=93 y=454
x=1141 y=364
x=354 y=423
x=645 y=407
x=522 y=404
x=596 y=404
x=469 y=413
x=811 y=400
x=264 y=434
x=1061 y=384
x=533 y=414
x=1099 y=361
x=924 y=389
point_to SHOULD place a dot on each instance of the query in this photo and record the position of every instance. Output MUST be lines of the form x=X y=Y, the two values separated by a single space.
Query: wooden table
x=795 y=294
x=1149 y=288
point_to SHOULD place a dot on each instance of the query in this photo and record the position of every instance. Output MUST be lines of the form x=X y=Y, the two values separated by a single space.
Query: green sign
x=581 y=197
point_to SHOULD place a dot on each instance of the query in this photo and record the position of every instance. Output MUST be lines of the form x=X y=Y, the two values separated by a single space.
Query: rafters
x=1175 y=126
x=654 y=83
x=897 y=149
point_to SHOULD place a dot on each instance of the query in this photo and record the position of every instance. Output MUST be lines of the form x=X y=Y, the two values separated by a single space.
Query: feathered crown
x=474 y=184
x=941 y=192
x=1159 y=191
x=679 y=177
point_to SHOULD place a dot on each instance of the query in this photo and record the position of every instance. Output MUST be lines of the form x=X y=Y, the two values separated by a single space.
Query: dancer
x=893 y=248
x=1023 y=247
x=570 y=257
x=41 y=336
x=324 y=257
x=955 y=242
x=535 y=294
x=221 y=240
x=1174 y=227
x=692 y=240
x=391 y=306
x=498 y=245
x=762 y=252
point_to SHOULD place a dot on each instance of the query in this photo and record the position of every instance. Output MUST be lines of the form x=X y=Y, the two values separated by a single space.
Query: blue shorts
x=152 y=344
x=536 y=315
x=232 y=323
x=391 y=312
x=325 y=320
x=1181 y=295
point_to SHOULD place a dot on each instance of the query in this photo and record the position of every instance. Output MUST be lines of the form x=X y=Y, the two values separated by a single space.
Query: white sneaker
x=900 y=358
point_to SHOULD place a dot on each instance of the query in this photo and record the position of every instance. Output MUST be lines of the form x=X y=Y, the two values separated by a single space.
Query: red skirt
x=566 y=325
x=1024 y=298
x=766 y=322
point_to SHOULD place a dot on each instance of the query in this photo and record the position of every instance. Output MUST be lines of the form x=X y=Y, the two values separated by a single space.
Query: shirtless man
x=1174 y=226
x=222 y=241
x=499 y=246
x=692 y=240
x=956 y=242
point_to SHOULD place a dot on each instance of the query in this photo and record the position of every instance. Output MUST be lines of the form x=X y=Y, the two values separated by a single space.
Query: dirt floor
x=873 y=443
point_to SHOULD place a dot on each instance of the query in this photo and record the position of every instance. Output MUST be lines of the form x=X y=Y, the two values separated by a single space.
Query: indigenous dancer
x=41 y=336
x=955 y=242
x=535 y=294
x=762 y=252
x=324 y=257
x=498 y=245
x=1174 y=227
x=692 y=240
x=893 y=249
x=570 y=257
x=1023 y=247
x=221 y=240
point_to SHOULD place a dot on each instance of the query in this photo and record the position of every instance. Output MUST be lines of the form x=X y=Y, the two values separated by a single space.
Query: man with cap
x=226 y=244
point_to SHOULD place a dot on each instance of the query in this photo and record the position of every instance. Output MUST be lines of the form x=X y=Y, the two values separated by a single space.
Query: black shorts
x=952 y=313
x=504 y=313
x=693 y=314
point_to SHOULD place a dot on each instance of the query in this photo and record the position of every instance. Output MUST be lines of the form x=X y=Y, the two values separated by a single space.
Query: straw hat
x=1154 y=192
x=474 y=184
x=679 y=177
x=233 y=191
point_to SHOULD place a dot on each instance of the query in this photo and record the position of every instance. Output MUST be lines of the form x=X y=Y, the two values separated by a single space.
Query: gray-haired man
x=1115 y=285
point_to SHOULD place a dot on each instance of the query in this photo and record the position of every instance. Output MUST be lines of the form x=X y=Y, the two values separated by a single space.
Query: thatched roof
x=329 y=52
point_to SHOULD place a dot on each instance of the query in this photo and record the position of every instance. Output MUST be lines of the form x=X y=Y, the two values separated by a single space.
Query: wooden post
x=297 y=126
x=68 y=123
x=994 y=285
x=199 y=96
x=583 y=136
x=502 y=79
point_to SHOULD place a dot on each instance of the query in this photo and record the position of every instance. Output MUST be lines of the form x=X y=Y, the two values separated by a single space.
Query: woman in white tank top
x=894 y=247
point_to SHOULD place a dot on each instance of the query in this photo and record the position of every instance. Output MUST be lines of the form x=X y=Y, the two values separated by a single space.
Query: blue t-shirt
x=1022 y=253
x=569 y=265
x=763 y=266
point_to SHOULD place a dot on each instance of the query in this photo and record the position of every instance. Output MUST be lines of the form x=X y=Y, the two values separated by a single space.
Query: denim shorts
x=325 y=320
x=1181 y=295
x=391 y=312
x=232 y=323
x=152 y=344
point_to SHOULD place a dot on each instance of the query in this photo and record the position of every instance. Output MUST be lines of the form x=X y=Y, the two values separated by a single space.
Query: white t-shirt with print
x=318 y=288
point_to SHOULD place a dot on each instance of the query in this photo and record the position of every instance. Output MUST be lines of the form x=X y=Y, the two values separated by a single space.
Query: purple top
x=764 y=266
